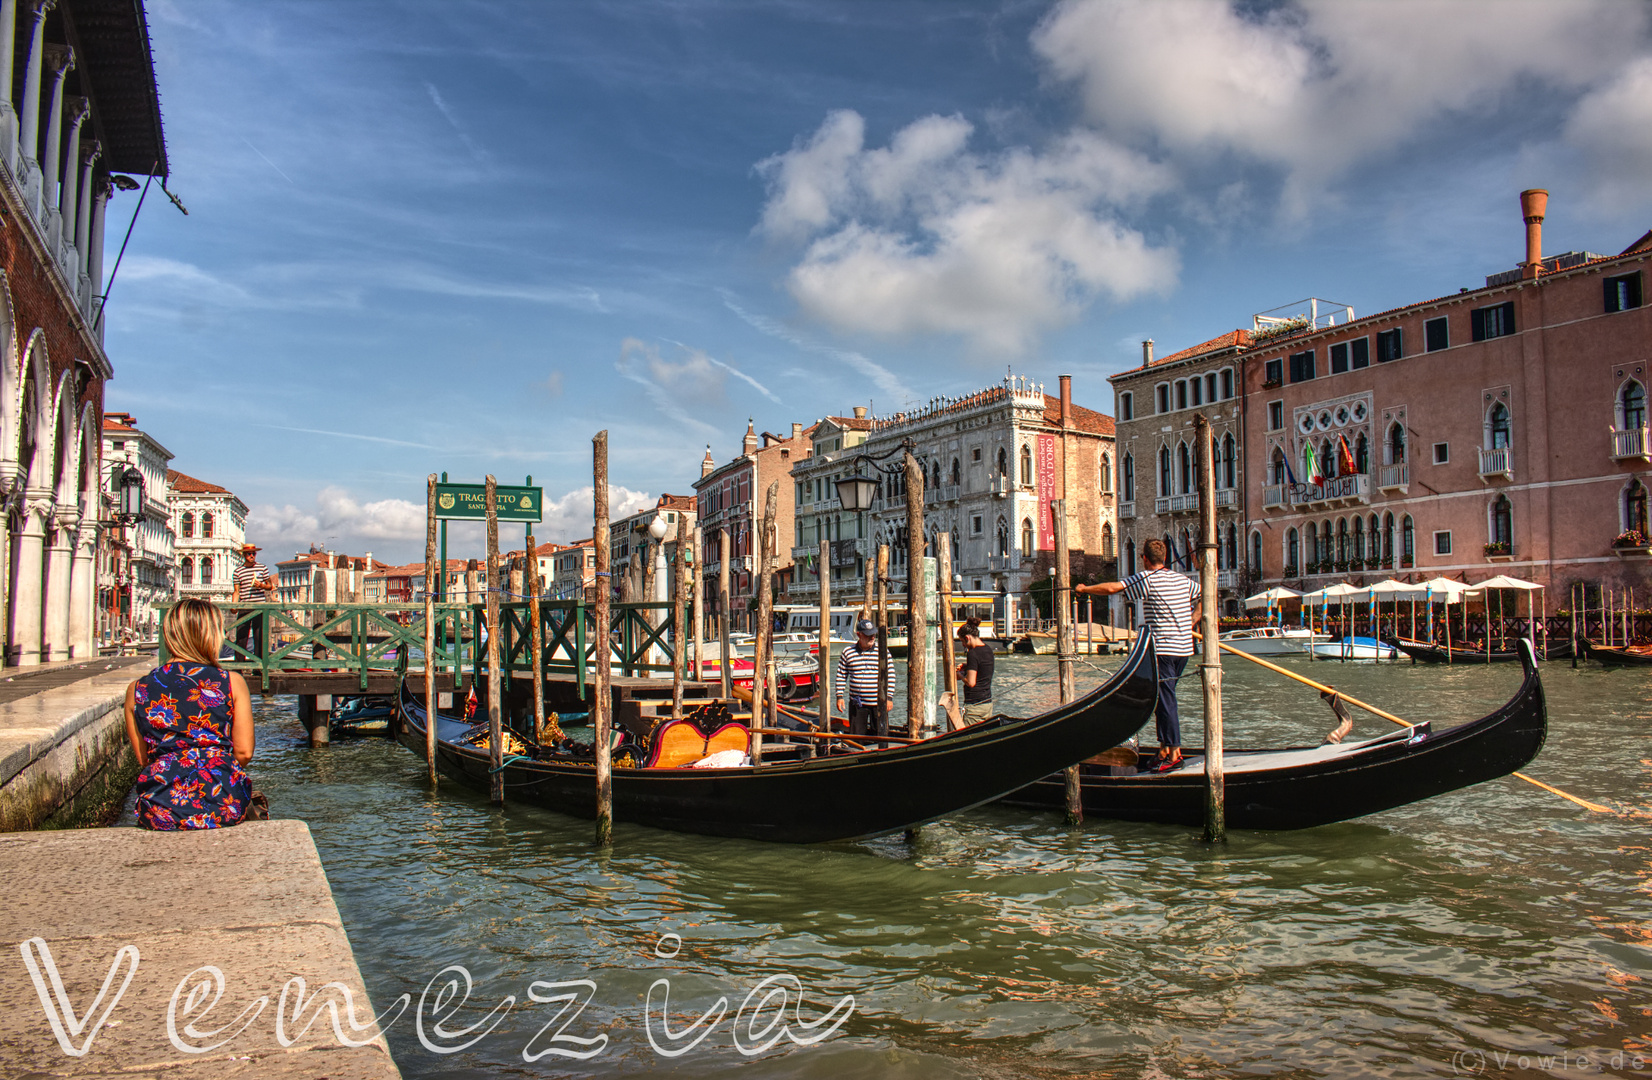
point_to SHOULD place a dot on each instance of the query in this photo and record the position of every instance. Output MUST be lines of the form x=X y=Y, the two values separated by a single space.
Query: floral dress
x=192 y=780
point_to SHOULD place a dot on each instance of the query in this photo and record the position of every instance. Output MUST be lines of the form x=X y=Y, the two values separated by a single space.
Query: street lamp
x=126 y=486
x=857 y=492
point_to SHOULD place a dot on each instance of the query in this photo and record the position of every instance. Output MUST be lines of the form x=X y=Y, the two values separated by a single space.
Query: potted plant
x=1407 y=561
x=1290 y=571
x=1272 y=384
x=1632 y=540
x=1498 y=550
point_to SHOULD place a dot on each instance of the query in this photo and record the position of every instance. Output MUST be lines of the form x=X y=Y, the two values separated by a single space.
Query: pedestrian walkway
x=162 y=910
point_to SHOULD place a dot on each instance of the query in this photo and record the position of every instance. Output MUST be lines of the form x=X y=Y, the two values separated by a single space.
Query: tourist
x=190 y=724
x=252 y=578
x=857 y=675
x=1171 y=608
x=975 y=673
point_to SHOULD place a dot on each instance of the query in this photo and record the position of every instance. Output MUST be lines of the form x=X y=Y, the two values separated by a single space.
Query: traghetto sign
x=469 y=501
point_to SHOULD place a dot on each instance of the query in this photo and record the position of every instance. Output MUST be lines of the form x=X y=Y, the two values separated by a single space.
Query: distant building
x=818 y=515
x=464 y=582
x=137 y=562
x=321 y=577
x=392 y=584
x=633 y=553
x=573 y=570
x=730 y=500
x=210 y=525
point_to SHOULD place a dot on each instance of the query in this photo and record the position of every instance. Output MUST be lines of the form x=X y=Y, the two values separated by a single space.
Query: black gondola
x=832 y=797
x=1617 y=656
x=1300 y=787
x=1457 y=654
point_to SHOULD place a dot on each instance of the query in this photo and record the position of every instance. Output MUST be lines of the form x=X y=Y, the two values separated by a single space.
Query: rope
x=503 y=764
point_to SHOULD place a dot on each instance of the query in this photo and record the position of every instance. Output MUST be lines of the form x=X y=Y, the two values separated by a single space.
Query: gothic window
x=1342 y=539
x=1129 y=557
x=1106 y=472
x=1359 y=539
x=1003 y=537
x=206 y=564
x=1290 y=550
x=1277 y=473
x=206 y=529
x=188 y=527
x=936 y=474
x=1388 y=537
x=186 y=569
x=1408 y=539
x=1026 y=466
x=957 y=473
x=1502 y=521
x=1632 y=406
x=1232 y=550
x=1164 y=471
x=1497 y=427
x=1228 y=470
x=1256 y=552
x=1396 y=444
x=1026 y=538
x=1184 y=462
x=1313 y=542
x=1328 y=459
x=1107 y=541
x=1634 y=506
x=1003 y=462
x=1129 y=477
x=1362 y=454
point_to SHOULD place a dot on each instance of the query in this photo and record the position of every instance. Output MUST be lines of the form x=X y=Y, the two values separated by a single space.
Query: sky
x=466 y=236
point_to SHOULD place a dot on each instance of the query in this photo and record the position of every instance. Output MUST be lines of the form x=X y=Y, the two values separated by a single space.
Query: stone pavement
x=251 y=901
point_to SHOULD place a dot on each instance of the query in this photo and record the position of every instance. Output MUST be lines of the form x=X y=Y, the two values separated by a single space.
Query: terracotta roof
x=188 y=485
x=677 y=502
x=116 y=425
x=1232 y=339
x=1087 y=420
x=851 y=423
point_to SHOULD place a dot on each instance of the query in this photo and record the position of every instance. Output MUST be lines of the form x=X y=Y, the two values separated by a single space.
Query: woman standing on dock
x=190 y=723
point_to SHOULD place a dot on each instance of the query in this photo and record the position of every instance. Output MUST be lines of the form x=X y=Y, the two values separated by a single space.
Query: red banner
x=1046 y=492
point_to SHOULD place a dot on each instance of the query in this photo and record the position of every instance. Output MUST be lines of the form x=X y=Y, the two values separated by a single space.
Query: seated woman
x=190 y=723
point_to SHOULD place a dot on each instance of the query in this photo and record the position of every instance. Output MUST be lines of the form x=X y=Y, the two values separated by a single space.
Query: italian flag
x=1310 y=466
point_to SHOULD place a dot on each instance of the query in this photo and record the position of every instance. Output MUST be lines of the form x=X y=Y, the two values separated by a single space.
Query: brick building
x=730 y=499
x=80 y=107
x=573 y=571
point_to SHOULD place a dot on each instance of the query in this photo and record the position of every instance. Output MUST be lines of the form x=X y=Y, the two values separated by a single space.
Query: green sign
x=469 y=501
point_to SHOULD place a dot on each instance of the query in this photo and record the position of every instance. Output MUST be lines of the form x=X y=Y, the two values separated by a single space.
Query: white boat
x=1358 y=648
x=1272 y=640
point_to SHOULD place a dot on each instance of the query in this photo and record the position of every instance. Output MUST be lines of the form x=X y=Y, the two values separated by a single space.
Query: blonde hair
x=194 y=631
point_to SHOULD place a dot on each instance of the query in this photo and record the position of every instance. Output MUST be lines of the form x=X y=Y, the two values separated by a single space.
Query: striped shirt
x=1167 y=606
x=857 y=672
x=247 y=579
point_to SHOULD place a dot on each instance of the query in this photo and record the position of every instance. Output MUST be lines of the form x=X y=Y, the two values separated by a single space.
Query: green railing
x=368 y=639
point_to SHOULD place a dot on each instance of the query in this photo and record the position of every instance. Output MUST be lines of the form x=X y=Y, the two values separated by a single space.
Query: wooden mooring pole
x=698 y=565
x=724 y=607
x=430 y=579
x=917 y=616
x=536 y=635
x=883 y=640
x=602 y=701
x=943 y=582
x=679 y=627
x=762 y=658
x=1210 y=667
x=823 y=679
x=1064 y=645
x=496 y=736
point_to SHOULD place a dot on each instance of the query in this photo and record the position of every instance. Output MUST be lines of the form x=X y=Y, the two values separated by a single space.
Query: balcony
x=1227 y=579
x=1355 y=487
x=1629 y=444
x=1496 y=464
x=1226 y=497
x=1176 y=504
x=1000 y=486
x=1274 y=497
x=998 y=564
x=1127 y=510
x=804 y=552
x=949 y=492
x=1394 y=477
x=825 y=506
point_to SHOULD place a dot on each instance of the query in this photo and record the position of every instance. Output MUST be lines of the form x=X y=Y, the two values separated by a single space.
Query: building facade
x=573 y=571
x=1157 y=461
x=1496 y=430
x=209 y=525
x=138 y=562
x=634 y=554
x=320 y=577
x=80 y=106
x=819 y=515
x=729 y=499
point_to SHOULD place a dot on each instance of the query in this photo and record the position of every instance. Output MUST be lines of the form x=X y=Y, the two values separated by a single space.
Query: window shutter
x=1361 y=350
x=1507 y=326
x=1610 y=287
x=1477 y=322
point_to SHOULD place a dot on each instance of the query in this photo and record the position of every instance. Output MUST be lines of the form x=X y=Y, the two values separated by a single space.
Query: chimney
x=1147 y=352
x=860 y=412
x=797 y=430
x=1533 y=203
x=367 y=564
x=1066 y=401
x=748 y=445
x=707 y=465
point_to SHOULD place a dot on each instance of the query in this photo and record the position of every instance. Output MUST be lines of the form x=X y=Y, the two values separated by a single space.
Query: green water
x=1446 y=938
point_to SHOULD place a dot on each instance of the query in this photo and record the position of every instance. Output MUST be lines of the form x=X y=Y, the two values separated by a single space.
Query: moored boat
x=1457 y=654
x=1619 y=655
x=1355 y=648
x=1301 y=787
x=1272 y=640
x=835 y=796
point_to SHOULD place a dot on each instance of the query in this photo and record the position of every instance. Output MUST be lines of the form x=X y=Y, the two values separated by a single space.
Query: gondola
x=1457 y=654
x=1301 y=787
x=838 y=796
x=1618 y=656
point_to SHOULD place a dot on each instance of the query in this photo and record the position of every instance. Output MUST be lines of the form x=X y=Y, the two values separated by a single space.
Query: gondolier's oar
x=1357 y=703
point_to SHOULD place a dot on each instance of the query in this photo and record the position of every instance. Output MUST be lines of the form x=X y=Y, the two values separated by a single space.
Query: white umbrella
x=1271 y=597
x=1503 y=581
x=1331 y=592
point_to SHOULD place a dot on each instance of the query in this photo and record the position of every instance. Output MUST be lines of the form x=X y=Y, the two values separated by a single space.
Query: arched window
x=1233 y=546
x=1184 y=472
x=1290 y=551
x=1497 y=427
x=1026 y=466
x=1129 y=557
x=206 y=528
x=1164 y=471
x=1129 y=478
x=1634 y=506
x=186 y=569
x=206 y=568
x=1107 y=541
x=1277 y=475
x=935 y=477
x=1256 y=553
x=1408 y=537
x=957 y=473
x=1313 y=542
x=1228 y=469
x=1003 y=537
x=1327 y=542
x=188 y=530
x=1328 y=459
x=1026 y=538
x=1003 y=462
x=1107 y=472
x=1342 y=539
x=1362 y=454
x=1358 y=551
x=1632 y=405
x=1388 y=539
x=1502 y=522
x=1396 y=444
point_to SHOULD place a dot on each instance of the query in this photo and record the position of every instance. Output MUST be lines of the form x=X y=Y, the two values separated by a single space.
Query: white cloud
x=570 y=518
x=1316 y=87
x=884 y=380
x=927 y=237
x=696 y=384
x=337 y=522
x=1613 y=128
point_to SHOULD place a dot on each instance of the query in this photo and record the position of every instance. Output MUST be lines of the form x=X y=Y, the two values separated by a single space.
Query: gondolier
x=252 y=578
x=857 y=675
x=1170 y=606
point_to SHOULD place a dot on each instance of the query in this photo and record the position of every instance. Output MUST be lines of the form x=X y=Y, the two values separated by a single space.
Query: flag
x=1345 y=457
x=1310 y=466
x=1289 y=475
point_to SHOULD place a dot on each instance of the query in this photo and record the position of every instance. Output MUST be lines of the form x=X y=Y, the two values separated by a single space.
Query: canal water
x=1497 y=931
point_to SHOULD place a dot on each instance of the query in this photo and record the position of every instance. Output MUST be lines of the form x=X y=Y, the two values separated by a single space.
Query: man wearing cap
x=251 y=579
x=857 y=675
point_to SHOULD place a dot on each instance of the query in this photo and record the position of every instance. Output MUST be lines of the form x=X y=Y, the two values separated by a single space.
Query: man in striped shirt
x=253 y=584
x=857 y=675
x=1170 y=607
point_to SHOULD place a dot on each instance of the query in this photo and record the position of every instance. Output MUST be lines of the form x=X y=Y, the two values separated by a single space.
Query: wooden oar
x=1357 y=703
x=835 y=735
x=745 y=695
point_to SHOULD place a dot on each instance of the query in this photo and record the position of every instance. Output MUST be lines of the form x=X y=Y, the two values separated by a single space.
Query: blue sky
x=466 y=236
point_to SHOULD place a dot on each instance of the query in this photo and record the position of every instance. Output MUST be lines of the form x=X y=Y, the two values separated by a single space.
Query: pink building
x=1498 y=430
